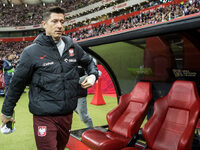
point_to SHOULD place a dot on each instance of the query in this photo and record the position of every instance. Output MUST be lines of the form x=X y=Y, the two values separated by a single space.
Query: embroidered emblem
x=43 y=57
x=71 y=52
x=42 y=130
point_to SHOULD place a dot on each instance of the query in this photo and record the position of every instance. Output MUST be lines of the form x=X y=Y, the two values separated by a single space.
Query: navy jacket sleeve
x=22 y=75
x=87 y=62
x=6 y=66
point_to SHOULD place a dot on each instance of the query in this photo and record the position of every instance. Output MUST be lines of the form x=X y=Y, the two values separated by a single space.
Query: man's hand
x=4 y=120
x=88 y=82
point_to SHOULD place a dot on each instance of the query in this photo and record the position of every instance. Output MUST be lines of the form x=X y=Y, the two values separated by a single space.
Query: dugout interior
x=160 y=53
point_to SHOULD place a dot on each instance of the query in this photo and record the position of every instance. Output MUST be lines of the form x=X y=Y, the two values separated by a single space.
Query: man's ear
x=43 y=24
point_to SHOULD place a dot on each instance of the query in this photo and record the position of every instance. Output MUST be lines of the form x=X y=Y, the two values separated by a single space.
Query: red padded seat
x=175 y=116
x=174 y=120
x=172 y=125
x=124 y=121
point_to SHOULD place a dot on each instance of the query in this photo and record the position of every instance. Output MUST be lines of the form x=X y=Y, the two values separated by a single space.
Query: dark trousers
x=52 y=132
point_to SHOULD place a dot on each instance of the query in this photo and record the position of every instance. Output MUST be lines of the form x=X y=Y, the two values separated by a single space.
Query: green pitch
x=23 y=137
x=124 y=55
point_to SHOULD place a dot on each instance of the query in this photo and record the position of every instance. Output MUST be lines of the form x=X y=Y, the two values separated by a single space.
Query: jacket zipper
x=60 y=62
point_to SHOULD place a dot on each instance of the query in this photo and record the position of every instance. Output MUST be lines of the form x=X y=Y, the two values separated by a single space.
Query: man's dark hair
x=55 y=9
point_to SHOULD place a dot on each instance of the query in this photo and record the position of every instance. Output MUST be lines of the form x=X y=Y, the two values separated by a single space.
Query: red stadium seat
x=124 y=121
x=172 y=125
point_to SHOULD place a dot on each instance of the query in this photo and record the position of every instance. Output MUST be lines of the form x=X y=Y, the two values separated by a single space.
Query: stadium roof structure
x=30 y=2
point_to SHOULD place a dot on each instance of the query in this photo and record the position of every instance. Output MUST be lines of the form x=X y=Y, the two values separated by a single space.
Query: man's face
x=10 y=57
x=54 y=26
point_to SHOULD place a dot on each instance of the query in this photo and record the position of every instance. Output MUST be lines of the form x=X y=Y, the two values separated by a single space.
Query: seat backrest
x=132 y=110
x=141 y=92
x=183 y=94
x=172 y=116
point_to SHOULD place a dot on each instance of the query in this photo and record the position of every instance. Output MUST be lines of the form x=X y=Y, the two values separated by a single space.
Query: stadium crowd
x=144 y=18
x=15 y=48
x=137 y=7
x=31 y=14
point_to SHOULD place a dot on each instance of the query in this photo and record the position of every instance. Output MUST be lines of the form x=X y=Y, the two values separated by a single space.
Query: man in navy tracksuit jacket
x=49 y=66
x=8 y=70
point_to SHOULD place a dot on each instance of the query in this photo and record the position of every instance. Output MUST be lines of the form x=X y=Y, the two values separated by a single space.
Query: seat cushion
x=172 y=128
x=98 y=140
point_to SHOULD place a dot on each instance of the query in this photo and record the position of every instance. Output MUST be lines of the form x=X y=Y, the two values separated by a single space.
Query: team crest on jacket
x=42 y=130
x=71 y=52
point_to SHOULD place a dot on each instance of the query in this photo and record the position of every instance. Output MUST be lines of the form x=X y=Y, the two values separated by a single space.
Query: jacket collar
x=45 y=40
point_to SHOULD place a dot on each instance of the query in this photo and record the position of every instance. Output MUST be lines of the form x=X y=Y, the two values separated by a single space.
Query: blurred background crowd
x=31 y=15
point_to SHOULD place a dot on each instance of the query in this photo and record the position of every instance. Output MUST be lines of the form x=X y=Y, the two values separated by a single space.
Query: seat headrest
x=141 y=91
x=182 y=94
